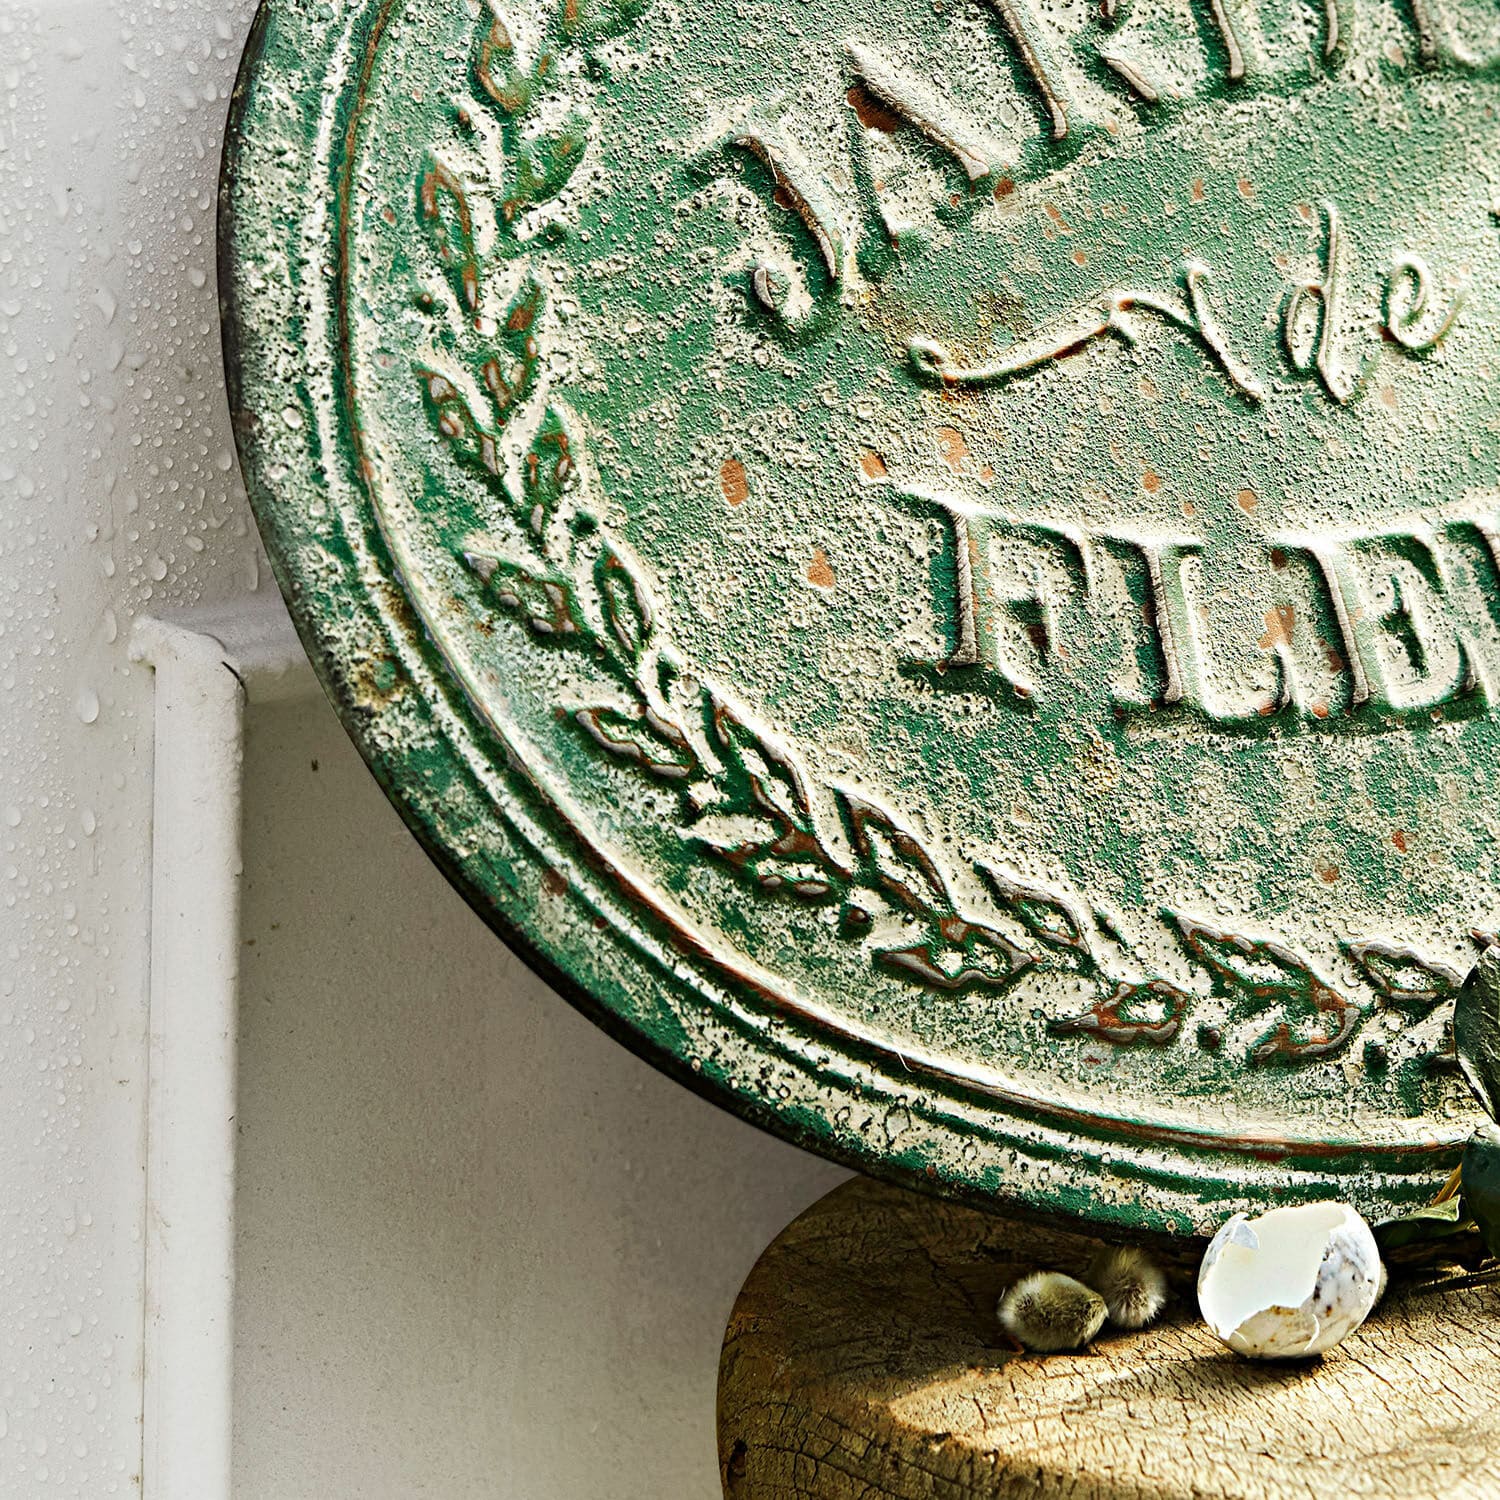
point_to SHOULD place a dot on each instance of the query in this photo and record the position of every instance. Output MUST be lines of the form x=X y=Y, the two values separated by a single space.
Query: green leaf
x=956 y=956
x=548 y=472
x=651 y=743
x=509 y=377
x=1047 y=915
x=1481 y=1184
x=950 y=952
x=1261 y=974
x=495 y=70
x=594 y=20
x=1150 y=1013
x=546 y=601
x=758 y=816
x=760 y=777
x=444 y=207
x=456 y=423
x=1476 y=1031
x=893 y=861
x=626 y=605
x=1439 y=1221
x=1401 y=976
x=542 y=172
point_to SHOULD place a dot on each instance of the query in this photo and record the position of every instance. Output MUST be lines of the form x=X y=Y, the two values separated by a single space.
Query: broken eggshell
x=1291 y=1283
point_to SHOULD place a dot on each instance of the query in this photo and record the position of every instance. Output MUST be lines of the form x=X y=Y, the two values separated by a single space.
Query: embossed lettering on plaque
x=942 y=571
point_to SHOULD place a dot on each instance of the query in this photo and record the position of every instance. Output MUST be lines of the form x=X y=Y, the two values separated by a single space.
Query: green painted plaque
x=936 y=566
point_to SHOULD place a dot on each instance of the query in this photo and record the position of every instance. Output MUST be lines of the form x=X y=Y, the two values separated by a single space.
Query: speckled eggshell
x=1345 y=1291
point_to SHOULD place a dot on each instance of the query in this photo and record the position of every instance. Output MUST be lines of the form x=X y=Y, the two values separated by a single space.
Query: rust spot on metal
x=1247 y=500
x=952 y=448
x=1151 y=481
x=819 y=571
x=874 y=114
x=872 y=464
x=732 y=481
x=1398 y=838
x=1004 y=187
x=554 y=883
x=1279 y=625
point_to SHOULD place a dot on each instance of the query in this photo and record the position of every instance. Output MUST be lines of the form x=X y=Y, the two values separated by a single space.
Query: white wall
x=484 y=1252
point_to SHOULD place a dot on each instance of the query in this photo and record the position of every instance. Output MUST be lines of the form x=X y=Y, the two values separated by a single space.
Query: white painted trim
x=208 y=666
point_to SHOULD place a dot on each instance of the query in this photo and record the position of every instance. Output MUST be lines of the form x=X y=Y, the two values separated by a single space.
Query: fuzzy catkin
x=1048 y=1312
x=1132 y=1285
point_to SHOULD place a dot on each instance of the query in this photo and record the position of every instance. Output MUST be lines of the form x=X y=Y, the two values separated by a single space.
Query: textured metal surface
x=940 y=570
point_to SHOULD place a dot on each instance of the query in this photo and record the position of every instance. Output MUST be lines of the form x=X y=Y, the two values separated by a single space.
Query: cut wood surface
x=863 y=1362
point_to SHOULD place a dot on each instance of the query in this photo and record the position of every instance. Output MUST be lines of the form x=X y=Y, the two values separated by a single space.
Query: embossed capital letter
x=1438 y=40
x=969 y=528
x=1424 y=620
x=1009 y=631
x=1028 y=35
x=1360 y=630
x=1342 y=589
x=1171 y=624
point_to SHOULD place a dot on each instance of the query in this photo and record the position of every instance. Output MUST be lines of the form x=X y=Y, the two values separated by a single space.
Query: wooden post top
x=863 y=1362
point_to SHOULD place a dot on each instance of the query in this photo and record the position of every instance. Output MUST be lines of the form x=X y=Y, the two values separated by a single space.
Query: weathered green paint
x=939 y=572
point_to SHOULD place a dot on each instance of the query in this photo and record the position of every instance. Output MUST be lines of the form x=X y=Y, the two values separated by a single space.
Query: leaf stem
x=1449 y=1188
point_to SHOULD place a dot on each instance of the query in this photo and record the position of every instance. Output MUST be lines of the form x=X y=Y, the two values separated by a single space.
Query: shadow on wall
x=483 y=1250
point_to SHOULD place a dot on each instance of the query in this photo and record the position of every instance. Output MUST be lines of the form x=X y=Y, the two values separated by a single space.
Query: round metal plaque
x=937 y=567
